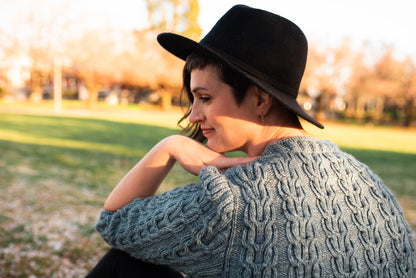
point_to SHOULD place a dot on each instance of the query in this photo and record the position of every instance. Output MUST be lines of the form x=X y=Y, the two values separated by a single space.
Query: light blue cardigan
x=303 y=209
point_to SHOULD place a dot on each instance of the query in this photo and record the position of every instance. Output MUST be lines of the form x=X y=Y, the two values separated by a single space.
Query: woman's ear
x=264 y=101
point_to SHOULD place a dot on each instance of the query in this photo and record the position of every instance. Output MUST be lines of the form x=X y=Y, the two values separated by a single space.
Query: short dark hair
x=235 y=80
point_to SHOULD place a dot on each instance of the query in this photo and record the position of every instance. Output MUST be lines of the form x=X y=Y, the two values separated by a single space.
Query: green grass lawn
x=56 y=171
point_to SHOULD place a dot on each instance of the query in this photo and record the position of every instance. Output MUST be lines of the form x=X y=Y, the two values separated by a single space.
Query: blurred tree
x=147 y=64
x=38 y=33
x=192 y=30
x=179 y=16
x=183 y=19
x=357 y=92
x=95 y=62
x=327 y=74
x=312 y=79
x=37 y=44
x=385 y=82
x=408 y=90
x=101 y=62
x=39 y=74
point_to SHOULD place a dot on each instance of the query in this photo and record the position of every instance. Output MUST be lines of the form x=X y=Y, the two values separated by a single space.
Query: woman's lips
x=207 y=131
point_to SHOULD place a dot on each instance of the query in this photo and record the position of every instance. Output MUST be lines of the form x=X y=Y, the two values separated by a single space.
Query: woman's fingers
x=193 y=156
x=223 y=163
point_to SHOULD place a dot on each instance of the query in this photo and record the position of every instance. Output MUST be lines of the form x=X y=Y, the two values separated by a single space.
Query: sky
x=326 y=22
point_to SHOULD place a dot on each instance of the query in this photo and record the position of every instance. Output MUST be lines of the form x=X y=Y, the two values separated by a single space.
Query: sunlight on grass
x=76 y=109
x=25 y=138
x=395 y=139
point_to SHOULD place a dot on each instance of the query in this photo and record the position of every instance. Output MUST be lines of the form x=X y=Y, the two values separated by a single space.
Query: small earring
x=261 y=117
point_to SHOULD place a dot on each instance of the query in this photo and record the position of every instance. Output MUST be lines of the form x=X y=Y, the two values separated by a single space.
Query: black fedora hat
x=268 y=49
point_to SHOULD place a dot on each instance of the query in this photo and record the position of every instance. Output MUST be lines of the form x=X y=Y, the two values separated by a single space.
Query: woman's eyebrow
x=196 y=89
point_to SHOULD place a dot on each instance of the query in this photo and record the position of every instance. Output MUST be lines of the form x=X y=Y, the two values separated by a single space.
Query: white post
x=57 y=85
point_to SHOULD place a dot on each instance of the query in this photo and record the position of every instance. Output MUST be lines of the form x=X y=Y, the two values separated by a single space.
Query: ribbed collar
x=305 y=144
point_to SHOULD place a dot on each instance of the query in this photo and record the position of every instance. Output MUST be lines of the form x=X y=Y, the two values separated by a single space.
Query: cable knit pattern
x=187 y=228
x=303 y=209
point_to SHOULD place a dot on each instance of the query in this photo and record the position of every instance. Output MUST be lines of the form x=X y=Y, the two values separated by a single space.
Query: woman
x=296 y=206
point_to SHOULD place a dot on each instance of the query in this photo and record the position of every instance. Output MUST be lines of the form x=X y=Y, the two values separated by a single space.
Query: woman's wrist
x=190 y=154
x=176 y=145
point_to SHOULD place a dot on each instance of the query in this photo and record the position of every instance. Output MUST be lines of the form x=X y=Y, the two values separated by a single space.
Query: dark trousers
x=117 y=264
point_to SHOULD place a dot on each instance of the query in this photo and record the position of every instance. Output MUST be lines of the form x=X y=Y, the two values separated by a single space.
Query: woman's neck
x=269 y=135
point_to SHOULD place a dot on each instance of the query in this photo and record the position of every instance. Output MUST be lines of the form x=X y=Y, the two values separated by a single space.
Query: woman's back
x=308 y=209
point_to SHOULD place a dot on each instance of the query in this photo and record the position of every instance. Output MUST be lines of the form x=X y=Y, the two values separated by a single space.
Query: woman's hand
x=145 y=177
x=193 y=156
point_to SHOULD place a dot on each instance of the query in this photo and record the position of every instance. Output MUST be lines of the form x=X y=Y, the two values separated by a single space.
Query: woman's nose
x=195 y=116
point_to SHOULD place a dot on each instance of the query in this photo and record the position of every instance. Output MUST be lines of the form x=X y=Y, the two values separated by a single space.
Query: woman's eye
x=204 y=98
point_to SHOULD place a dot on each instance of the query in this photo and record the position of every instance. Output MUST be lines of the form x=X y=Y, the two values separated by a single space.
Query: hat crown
x=268 y=49
x=262 y=43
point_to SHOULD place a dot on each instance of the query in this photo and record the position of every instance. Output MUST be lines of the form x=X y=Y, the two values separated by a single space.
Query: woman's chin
x=218 y=148
x=215 y=147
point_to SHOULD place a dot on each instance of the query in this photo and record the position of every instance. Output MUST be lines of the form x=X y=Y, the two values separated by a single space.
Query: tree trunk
x=91 y=84
x=351 y=104
x=57 y=86
x=360 y=108
x=36 y=85
x=92 y=94
x=409 y=112
x=319 y=107
x=166 y=96
x=379 y=109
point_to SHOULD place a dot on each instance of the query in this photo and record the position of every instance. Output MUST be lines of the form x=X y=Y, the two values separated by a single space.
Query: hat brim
x=182 y=47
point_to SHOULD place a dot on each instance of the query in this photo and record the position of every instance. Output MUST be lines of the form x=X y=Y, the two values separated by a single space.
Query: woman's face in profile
x=224 y=123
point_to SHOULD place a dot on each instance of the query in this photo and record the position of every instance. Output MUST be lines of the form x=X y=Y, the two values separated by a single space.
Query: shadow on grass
x=397 y=170
x=138 y=137
x=114 y=148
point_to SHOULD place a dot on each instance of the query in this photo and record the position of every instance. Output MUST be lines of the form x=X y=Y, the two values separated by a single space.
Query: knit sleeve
x=187 y=228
